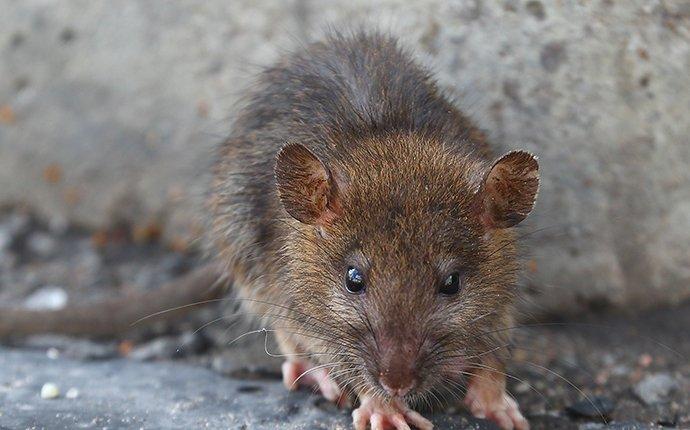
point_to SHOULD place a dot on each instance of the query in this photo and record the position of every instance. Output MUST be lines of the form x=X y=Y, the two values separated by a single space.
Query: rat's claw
x=383 y=415
x=299 y=373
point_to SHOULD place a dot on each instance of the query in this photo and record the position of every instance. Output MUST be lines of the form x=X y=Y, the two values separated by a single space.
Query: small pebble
x=47 y=298
x=41 y=244
x=53 y=353
x=50 y=390
x=654 y=388
x=72 y=393
x=596 y=408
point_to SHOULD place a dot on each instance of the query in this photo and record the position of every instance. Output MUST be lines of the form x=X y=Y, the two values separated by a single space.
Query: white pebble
x=72 y=393
x=50 y=390
x=47 y=298
x=53 y=353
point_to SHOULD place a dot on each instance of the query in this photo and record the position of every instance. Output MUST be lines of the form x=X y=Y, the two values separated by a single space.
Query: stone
x=47 y=298
x=654 y=388
x=593 y=88
x=72 y=393
x=41 y=244
x=50 y=390
x=599 y=408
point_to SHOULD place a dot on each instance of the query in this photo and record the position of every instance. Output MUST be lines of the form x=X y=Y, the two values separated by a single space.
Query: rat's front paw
x=296 y=373
x=386 y=415
x=501 y=409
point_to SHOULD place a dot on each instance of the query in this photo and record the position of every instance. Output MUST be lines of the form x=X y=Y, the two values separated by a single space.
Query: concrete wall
x=109 y=111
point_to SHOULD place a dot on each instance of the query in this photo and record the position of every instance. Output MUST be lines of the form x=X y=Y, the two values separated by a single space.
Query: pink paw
x=504 y=411
x=385 y=415
x=300 y=373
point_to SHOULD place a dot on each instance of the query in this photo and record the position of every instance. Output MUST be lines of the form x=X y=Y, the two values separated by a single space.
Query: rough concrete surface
x=109 y=112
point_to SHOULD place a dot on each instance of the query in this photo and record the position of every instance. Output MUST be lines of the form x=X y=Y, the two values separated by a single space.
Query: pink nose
x=396 y=387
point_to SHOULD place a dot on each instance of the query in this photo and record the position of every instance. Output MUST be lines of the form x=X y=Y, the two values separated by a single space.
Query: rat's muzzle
x=398 y=371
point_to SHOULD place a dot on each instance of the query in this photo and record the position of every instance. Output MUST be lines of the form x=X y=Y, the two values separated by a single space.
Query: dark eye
x=451 y=285
x=354 y=281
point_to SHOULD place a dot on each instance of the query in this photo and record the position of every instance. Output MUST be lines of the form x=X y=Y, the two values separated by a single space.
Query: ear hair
x=509 y=190
x=307 y=189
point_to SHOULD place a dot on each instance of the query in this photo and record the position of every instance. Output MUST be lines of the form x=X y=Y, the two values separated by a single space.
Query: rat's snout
x=397 y=371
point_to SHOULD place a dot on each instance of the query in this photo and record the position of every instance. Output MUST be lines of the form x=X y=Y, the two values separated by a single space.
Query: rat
x=365 y=218
x=368 y=223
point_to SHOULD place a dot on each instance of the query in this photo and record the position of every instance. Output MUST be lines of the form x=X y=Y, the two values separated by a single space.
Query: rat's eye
x=451 y=285
x=354 y=281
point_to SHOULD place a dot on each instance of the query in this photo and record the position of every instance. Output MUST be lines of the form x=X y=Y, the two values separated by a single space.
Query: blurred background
x=109 y=112
x=109 y=115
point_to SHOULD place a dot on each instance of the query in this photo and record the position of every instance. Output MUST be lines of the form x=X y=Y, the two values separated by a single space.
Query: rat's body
x=359 y=211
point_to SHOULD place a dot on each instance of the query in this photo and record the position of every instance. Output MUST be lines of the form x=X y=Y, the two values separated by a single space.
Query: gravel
x=655 y=388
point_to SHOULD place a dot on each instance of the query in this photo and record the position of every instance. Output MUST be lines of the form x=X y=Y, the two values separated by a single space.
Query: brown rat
x=363 y=215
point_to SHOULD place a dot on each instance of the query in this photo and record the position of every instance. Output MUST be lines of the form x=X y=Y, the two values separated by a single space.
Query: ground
x=631 y=371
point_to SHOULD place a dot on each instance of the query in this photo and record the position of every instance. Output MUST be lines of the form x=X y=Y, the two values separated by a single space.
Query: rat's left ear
x=509 y=190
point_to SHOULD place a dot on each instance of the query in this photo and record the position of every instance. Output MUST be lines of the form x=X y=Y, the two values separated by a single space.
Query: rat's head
x=401 y=256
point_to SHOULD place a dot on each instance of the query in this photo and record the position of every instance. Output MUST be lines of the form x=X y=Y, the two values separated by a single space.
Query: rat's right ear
x=509 y=190
x=307 y=189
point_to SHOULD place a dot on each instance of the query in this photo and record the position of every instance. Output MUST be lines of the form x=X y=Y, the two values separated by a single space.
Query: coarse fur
x=401 y=184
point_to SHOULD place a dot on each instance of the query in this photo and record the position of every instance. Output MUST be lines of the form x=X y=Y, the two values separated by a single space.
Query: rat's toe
x=504 y=412
x=302 y=373
x=502 y=419
x=416 y=419
x=328 y=387
x=377 y=422
x=518 y=420
x=399 y=422
x=384 y=415
x=291 y=371
x=360 y=419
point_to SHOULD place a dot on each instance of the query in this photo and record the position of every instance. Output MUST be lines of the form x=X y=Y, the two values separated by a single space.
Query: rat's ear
x=509 y=190
x=307 y=189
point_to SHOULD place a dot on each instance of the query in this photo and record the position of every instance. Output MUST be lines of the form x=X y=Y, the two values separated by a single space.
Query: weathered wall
x=109 y=111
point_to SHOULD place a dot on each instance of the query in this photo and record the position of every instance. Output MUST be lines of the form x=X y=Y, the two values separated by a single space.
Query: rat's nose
x=397 y=383
x=397 y=366
x=396 y=389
